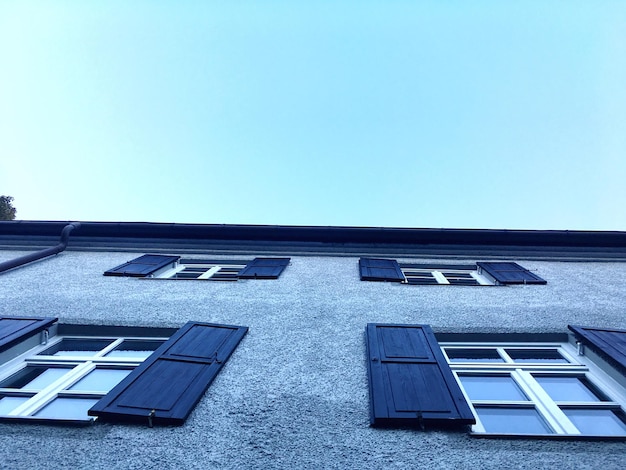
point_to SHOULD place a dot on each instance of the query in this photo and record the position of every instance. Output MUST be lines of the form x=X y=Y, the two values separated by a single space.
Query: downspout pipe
x=29 y=258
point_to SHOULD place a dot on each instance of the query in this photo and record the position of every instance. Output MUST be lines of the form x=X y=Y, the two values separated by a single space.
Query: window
x=409 y=380
x=201 y=270
x=479 y=274
x=51 y=375
x=65 y=377
x=456 y=275
x=537 y=389
x=530 y=389
x=174 y=267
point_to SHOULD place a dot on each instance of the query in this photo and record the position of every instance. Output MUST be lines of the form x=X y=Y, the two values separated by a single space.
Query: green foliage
x=7 y=211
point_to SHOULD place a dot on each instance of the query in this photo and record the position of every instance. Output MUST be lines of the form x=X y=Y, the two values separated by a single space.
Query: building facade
x=323 y=343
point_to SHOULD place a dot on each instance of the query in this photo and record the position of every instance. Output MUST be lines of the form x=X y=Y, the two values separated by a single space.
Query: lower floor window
x=202 y=270
x=76 y=374
x=536 y=389
x=65 y=377
x=446 y=275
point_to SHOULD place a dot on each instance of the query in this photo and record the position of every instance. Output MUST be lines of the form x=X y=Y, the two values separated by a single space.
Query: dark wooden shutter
x=166 y=386
x=376 y=269
x=510 y=273
x=142 y=266
x=410 y=382
x=264 y=268
x=15 y=329
x=608 y=343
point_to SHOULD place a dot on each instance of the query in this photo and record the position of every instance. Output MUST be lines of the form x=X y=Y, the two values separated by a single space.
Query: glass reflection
x=45 y=378
x=8 y=404
x=512 y=421
x=67 y=408
x=129 y=354
x=597 y=422
x=567 y=388
x=491 y=388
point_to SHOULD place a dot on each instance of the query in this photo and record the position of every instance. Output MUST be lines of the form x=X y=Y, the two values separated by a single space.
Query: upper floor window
x=175 y=267
x=479 y=274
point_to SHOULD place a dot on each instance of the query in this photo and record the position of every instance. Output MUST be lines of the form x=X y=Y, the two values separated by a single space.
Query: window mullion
x=441 y=279
x=110 y=347
x=548 y=409
x=504 y=355
x=50 y=392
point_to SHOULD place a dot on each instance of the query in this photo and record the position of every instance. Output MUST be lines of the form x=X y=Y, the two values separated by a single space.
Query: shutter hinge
x=45 y=335
x=150 y=416
x=581 y=348
x=420 y=421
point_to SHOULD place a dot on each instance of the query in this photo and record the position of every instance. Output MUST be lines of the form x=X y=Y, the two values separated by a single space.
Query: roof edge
x=321 y=234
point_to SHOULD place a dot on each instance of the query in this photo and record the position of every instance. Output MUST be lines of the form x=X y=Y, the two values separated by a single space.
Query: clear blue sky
x=442 y=113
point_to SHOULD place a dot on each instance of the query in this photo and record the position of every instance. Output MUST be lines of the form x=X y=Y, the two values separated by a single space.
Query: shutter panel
x=168 y=384
x=409 y=380
x=376 y=269
x=15 y=329
x=264 y=268
x=510 y=273
x=610 y=344
x=142 y=266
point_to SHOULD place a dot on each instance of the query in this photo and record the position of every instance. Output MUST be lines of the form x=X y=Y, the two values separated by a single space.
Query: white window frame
x=78 y=367
x=523 y=375
x=440 y=275
x=211 y=270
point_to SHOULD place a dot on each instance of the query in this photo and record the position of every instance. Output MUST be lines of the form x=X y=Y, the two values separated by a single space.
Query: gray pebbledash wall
x=294 y=394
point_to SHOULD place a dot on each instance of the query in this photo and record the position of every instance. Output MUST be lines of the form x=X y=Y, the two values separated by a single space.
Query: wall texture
x=294 y=394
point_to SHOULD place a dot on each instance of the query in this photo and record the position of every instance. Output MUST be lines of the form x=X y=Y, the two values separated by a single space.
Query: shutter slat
x=264 y=268
x=15 y=329
x=377 y=269
x=142 y=266
x=171 y=381
x=510 y=273
x=410 y=381
x=608 y=343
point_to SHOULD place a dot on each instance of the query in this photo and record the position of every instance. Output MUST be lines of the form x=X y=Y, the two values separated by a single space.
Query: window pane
x=473 y=355
x=512 y=421
x=35 y=378
x=76 y=347
x=597 y=422
x=67 y=408
x=100 y=380
x=8 y=404
x=186 y=274
x=537 y=355
x=567 y=388
x=491 y=388
x=129 y=354
x=135 y=349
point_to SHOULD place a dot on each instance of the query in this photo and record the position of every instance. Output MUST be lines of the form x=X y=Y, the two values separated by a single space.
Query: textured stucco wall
x=294 y=394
